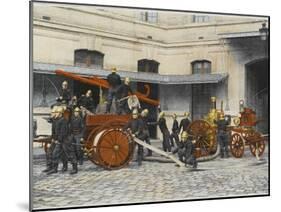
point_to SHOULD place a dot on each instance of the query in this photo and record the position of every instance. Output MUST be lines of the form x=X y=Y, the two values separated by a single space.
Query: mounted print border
x=145 y=105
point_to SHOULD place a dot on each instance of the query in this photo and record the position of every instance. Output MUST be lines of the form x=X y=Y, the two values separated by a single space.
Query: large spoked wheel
x=236 y=145
x=205 y=137
x=110 y=147
x=115 y=148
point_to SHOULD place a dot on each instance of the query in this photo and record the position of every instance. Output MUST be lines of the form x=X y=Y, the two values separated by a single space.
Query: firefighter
x=76 y=128
x=65 y=94
x=63 y=145
x=52 y=120
x=164 y=130
x=134 y=126
x=122 y=92
x=87 y=102
x=186 y=149
x=144 y=125
x=73 y=103
x=175 y=131
x=222 y=135
x=184 y=122
x=114 y=81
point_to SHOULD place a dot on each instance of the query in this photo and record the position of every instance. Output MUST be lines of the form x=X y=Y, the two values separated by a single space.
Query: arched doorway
x=149 y=66
x=257 y=91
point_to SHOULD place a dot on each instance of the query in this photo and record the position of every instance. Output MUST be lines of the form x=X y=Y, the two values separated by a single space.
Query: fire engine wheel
x=236 y=145
x=205 y=137
x=110 y=147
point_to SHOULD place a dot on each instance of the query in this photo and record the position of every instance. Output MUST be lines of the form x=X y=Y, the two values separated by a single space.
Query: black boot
x=81 y=161
x=74 y=169
x=65 y=166
x=194 y=164
x=53 y=170
x=139 y=161
x=226 y=154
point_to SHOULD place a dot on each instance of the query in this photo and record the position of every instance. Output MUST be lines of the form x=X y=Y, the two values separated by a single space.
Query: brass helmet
x=221 y=116
x=186 y=114
x=127 y=81
x=54 y=111
x=135 y=114
x=161 y=114
x=77 y=109
x=60 y=110
x=184 y=136
x=144 y=113
x=113 y=69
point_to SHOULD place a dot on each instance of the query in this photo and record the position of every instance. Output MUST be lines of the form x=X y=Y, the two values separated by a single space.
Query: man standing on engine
x=114 y=81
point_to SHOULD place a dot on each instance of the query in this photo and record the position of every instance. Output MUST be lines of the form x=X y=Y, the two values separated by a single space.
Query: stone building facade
x=190 y=56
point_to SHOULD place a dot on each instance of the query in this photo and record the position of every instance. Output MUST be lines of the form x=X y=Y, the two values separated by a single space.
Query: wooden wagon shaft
x=43 y=139
x=160 y=152
x=104 y=84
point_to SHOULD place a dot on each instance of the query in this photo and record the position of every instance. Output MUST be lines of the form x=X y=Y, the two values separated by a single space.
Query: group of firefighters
x=68 y=135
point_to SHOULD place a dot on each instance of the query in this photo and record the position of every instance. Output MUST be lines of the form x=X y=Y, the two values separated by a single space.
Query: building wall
x=175 y=41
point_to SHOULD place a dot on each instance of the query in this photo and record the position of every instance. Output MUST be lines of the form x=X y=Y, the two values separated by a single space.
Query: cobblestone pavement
x=153 y=181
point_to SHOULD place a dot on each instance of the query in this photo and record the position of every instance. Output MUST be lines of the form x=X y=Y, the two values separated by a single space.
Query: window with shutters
x=149 y=16
x=200 y=18
x=201 y=67
x=88 y=58
x=146 y=65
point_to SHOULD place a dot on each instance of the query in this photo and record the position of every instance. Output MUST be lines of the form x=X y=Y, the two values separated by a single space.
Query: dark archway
x=88 y=58
x=149 y=66
x=257 y=90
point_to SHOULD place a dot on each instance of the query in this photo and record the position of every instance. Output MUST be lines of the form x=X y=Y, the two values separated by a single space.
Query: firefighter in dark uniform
x=114 y=82
x=63 y=145
x=134 y=125
x=164 y=130
x=76 y=129
x=175 y=131
x=51 y=148
x=222 y=135
x=146 y=135
x=186 y=149
x=73 y=103
x=122 y=92
x=65 y=94
x=184 y=122
x=88 y=102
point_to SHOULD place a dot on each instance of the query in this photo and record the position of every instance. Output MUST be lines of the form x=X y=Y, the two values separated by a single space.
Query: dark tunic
x=221 y=125
x=53 y=121
x=87 y=102
x=114 y=80
x=175 y=127
x=184 y=124
x=66 y=96
x=162 y=125
x=135 y=126
x=61 y=129
x=76 y=125
x=123 y=91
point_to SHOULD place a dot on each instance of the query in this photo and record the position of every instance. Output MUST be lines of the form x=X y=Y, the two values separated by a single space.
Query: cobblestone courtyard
x=153 y=181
